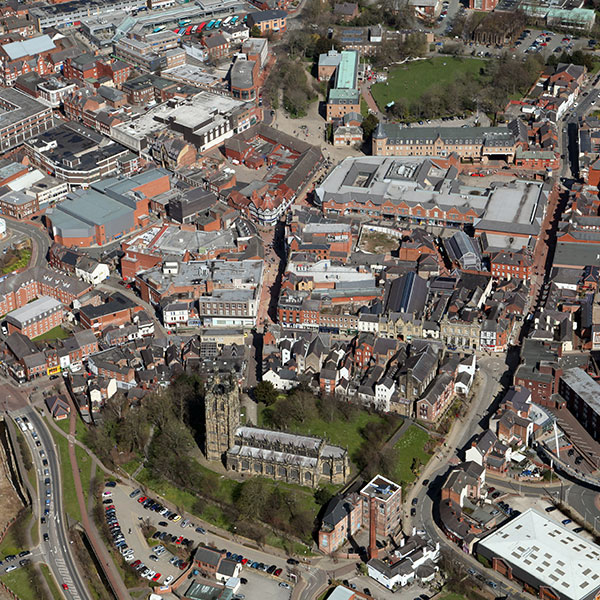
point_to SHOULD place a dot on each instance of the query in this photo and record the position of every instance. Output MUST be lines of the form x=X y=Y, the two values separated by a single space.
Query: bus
x=234 y=20
x=159 y=28
x=188 y=30
x=226 y=21
x=218 y=24
x=201 y=26
x=184 y=22
x=194 y=28
x=210 y=24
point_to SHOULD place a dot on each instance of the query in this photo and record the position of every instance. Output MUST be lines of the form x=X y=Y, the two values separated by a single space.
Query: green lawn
x=364 y=108
x=83 y=461
x=339 y=432
x=56 y=594
x=68 y=483
x=225 y=490
x=11 y=544
x=80 y=428
x=409 y=447
x=57 y=333
x=131 y=465
x=413 y=79
x=20 y=262
x=22 y=583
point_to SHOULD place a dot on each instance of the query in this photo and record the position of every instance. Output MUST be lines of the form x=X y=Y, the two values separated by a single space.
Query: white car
x=168 y=580
x=129 y=558
x=150 y=574
x=107 y=494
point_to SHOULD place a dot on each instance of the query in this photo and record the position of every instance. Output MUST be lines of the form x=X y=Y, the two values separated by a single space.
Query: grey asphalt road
x=57 y=551
x=40 y=239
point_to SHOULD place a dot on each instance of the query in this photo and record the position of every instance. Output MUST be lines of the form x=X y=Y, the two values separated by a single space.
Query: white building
x=91 y=271
x=176 y=314
x=413 y=561
x=540 y=552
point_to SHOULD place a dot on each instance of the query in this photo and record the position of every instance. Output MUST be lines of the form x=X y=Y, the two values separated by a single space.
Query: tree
x=255 y=32
x=369 y=125
x=265 y=392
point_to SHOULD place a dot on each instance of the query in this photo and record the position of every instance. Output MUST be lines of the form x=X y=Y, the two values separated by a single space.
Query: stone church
x=282 y=456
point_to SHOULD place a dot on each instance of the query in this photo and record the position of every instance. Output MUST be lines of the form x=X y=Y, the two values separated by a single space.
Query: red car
x=278 y=572
x=156 y=577
x=109 y=507
x=179 y=539
x=142 y=499
x=135 y=564
x=183 y=566
x=244 y=561
x=65 y=586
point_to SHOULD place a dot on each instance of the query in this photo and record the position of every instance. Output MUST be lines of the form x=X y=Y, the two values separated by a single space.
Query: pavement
x=132 y=516
x=56 y=553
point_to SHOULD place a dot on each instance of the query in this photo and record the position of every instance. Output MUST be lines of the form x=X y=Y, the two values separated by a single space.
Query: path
x=108 y=566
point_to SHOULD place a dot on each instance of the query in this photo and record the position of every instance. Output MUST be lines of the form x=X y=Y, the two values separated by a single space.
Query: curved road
x=40 y=239
x=57 y=551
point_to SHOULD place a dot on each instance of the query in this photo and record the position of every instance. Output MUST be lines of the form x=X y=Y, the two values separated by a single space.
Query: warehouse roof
x=30 y=47
x=34 y=311
x=544 y=550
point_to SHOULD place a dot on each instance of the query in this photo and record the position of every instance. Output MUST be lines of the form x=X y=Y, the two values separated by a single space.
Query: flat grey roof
x=34 y=310
x=541 y=549
x=585 y=387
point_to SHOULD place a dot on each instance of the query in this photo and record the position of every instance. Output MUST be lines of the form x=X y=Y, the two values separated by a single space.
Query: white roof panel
x=30 y=47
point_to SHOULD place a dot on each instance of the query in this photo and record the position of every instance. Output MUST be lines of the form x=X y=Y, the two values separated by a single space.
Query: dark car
x=163 y=523
x=272 y=569
x=413 y=512
x=24 y=553
x=107 y=501
x=578 y=530
x=46 y=537
x=425 y=484
x=292 y=561
x=367 y=591
x=111 y=484
x=156 y=535
x=550 y=508
x=243 y=580
x=415 y=501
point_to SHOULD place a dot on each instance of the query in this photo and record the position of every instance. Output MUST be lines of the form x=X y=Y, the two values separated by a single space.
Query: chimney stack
x=373 y=550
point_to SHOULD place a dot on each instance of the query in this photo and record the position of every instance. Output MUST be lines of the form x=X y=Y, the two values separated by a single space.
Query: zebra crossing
x=66 y=577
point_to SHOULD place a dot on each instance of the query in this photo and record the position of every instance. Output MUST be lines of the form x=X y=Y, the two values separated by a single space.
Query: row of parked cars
x=119 y=538
x=153 y=505
x=12 y=557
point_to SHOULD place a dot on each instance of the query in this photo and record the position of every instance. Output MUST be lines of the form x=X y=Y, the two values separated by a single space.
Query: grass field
x=68 y=483
x=225 y=490
x=409 y=447
x=56 y=333
x=17 y=531
x=56 y=594
x=85 y=473
x=21 y=582
x=452 y=596
x=20 y=261
x=413 y=79
x=339 y=431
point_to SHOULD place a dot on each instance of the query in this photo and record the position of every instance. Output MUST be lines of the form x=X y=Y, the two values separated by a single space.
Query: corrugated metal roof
x=30 y=47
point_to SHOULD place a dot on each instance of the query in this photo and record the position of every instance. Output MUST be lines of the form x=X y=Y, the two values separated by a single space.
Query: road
x=491 y=372
x=40 y=240
x=57 y=551
x=111 y=285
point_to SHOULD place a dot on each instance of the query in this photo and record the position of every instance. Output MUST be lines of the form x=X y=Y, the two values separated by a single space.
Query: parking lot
x=167 y=557
x=531 y=41
x=523 y=503
x=409 y=592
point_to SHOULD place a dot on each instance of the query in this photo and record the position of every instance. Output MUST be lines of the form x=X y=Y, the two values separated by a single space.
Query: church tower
x=221 y=415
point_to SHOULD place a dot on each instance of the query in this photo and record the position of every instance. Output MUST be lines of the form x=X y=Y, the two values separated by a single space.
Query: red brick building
x=216 y=45
x=116 y=311
x=511 y=265
x=36 y=318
